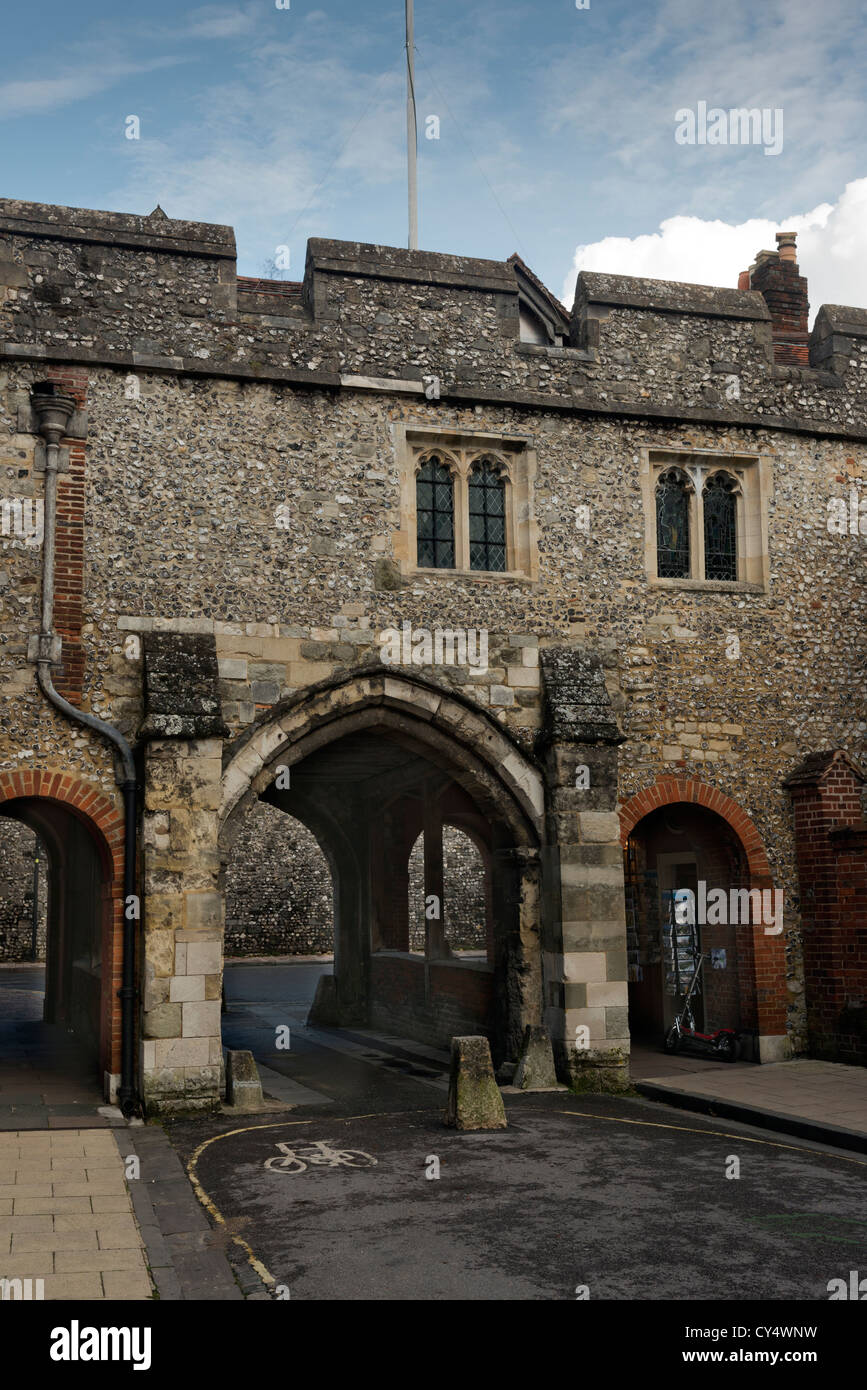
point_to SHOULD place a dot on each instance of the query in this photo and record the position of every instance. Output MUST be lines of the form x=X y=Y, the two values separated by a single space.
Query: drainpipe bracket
x=45 y=647
x=39 y=457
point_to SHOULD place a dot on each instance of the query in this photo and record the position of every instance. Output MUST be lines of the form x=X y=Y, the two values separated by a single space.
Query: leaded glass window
x=487 y=492
x=435 y=516
x=672 y=527
x=720 y=528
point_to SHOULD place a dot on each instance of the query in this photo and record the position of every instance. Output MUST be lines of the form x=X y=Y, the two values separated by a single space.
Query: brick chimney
x=775 y=275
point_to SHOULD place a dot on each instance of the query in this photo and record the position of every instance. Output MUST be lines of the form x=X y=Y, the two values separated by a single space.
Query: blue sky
x=556 y=127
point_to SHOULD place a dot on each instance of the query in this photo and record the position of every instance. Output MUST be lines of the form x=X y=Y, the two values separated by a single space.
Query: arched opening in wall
x=367 y=797
x=466 y=907
x=369 y=779
x=279 y=898
x=60 y=1020
x=279 y=935
x=679 y=847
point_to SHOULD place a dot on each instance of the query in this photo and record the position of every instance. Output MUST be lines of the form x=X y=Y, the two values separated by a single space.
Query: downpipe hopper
x=53 y=410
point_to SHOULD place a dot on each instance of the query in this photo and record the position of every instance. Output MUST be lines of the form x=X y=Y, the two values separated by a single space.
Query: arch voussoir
x=434 y=717
x=667 y=790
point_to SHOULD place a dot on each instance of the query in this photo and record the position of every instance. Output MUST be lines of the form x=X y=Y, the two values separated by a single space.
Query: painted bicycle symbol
x=319 y=1154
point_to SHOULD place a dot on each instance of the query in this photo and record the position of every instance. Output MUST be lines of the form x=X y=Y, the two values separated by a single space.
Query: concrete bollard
x=535 y=1070
x=243 y=1087
x=474 y=1098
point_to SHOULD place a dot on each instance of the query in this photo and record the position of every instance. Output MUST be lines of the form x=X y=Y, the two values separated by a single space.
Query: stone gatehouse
x=406 y=551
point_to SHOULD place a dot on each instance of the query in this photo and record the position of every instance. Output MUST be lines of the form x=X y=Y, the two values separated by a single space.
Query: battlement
x=155 y=232
x=95 y=287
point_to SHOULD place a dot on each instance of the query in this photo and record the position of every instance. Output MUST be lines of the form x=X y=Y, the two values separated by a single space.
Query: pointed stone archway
x=368 y=762
x=368 y=756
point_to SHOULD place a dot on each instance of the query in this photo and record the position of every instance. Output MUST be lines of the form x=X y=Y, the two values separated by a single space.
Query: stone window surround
x=460 y=449
x=752 y=474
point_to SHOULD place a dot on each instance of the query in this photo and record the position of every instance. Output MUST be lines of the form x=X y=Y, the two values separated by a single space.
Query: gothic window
x=466 y=505
x=672 y=526
x=435 y=515
x=487 y=507
x=720 y=527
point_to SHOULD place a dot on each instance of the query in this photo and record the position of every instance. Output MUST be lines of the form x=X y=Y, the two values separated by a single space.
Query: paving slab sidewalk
x=66 y=1216
x=70 y=1217
x=821 y=1101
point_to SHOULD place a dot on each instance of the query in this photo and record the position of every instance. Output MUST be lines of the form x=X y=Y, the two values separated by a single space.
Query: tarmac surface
x=332 y=1200
x=353 y=1188
x=628 y=1198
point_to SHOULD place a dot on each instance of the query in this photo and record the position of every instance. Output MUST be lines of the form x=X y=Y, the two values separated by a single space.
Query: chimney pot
x=775 y=275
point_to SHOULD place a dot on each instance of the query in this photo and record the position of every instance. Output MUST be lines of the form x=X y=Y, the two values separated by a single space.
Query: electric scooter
x=724 y=1044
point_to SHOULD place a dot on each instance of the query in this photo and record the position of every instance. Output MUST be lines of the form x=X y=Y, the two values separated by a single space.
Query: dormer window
x=533 y=330
x=542 y=319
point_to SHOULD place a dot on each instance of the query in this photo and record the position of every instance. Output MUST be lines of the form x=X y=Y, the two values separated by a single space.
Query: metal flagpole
x=411 y=131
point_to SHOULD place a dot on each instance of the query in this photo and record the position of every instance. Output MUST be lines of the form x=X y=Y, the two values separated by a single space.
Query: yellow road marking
x=719 y=1133
x=212 y=1208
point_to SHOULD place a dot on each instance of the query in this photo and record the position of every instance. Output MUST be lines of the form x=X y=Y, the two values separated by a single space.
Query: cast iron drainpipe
x=54 y=410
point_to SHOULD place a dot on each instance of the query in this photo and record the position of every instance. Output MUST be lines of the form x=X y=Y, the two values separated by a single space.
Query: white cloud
x=217 y=22
x=29 y=97
x=832 y=250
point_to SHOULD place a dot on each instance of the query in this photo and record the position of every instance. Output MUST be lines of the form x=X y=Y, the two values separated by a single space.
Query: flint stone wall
x=464 y=893
x=279 y=897
x=18 y=844
x=92 y=286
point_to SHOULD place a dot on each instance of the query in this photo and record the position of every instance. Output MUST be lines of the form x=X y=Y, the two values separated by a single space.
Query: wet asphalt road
x=621 y=1195
x=262 y=999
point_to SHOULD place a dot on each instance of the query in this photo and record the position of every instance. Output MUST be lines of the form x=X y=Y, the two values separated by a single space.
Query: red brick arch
x=765 y=959
x=666 y=791
x=101 y=815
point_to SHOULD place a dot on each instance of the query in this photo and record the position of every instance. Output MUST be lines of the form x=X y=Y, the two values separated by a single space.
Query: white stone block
x=599 y=827
x=527 y=677
x=203 y=958
x=182 y=1052
x=201 y=1019
x=594 y=1019
x=232 y=668
x=580 y=967
x=186 y=989
x=612 y=994
x=202 y=912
